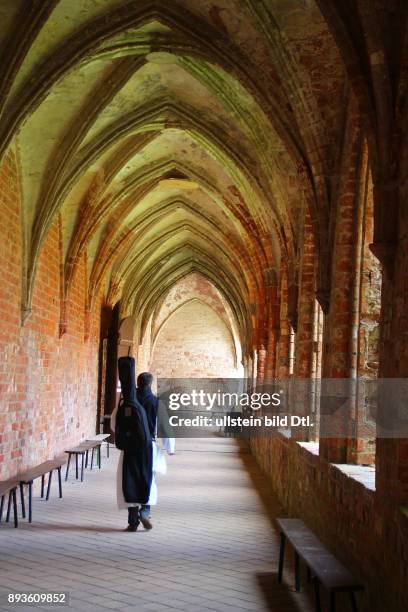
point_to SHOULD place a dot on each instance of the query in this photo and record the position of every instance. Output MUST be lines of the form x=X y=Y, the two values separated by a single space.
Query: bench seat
x=39 y=471
x=98 y=438
x=102 y=437
x=82 y=450
x=321 y=563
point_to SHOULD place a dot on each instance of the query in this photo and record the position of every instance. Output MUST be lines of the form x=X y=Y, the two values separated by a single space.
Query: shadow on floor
x=282 y=597
x=77 y=528
x=260 y=483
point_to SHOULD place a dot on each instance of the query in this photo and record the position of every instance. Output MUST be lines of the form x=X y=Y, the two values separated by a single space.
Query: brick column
x=273 y=334
x=261 y=364
x=282 y=359
x=367 y=314
x=338 y=324
x=304 y=342
x=306 y=304
x=392 y=454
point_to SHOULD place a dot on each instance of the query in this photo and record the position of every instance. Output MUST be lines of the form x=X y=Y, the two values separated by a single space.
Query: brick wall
x=194 y=343
x=48 y=384
x=346 y=515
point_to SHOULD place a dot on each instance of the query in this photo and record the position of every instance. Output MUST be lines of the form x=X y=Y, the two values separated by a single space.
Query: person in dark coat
x=150 y=403
x=135 y=479
x=148 y=400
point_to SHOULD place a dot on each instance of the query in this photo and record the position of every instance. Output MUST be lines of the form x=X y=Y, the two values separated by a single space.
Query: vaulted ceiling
x=171 y=138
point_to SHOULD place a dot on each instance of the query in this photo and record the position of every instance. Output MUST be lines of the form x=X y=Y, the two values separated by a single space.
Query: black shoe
x=132 y=527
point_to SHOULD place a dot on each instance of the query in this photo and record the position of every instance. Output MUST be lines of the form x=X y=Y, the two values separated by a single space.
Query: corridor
x=212 y=547
x=217 y=190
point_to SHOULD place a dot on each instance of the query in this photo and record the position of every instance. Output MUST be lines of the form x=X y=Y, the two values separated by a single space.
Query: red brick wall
x=194 y=343
x=192 y=286
x=191 y=334
x=48 y=385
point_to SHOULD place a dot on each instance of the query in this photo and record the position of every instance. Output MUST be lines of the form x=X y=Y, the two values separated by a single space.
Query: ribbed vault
x=190 y=289
x=170 y=138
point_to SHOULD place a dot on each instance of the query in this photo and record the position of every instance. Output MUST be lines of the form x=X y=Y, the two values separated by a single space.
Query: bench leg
x=1 y=507
x=107 y=450
x=30 y=502
x=353 y=601
x=8 y=508
x=49 y=485
x=15 y=508
x=317 y=595
x=23 y=512
x=309 y=574
x=92 y=458
x=42 y=485
x=333 y=601
x=297 y=572
x=59 y=481
x=281 y=556
x=76 y=466
x=87 y=459
x=69 y=461
x=82 y=467
x=99 y=457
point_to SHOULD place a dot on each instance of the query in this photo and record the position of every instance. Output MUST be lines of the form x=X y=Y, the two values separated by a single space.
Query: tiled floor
x=213 y=545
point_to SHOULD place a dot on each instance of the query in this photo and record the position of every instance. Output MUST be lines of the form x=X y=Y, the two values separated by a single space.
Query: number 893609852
x=37 y=598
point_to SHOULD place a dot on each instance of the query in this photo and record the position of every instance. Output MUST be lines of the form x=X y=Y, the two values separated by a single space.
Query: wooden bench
x=82 y=450
x=39 y=471
x=101 y=438
x=321 y=564
x=10 y=487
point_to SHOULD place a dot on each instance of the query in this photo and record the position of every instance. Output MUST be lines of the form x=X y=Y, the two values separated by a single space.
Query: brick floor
x=213 y=545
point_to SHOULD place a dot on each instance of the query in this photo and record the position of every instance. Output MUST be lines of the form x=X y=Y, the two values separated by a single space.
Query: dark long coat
x=137 y=472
